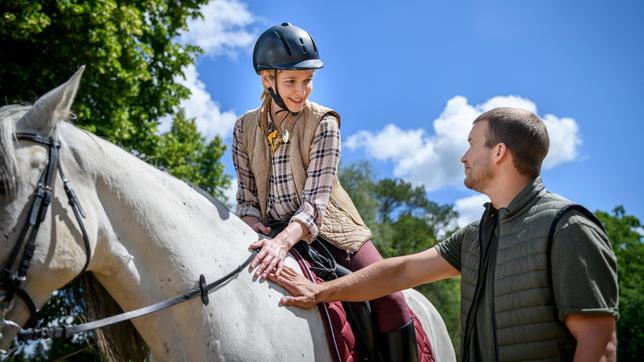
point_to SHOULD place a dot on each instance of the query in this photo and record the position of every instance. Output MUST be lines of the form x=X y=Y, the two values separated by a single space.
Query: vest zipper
x=496 y=251
x=469 y=317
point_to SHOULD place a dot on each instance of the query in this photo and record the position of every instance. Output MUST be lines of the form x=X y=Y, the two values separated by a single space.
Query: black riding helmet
x=285 y=47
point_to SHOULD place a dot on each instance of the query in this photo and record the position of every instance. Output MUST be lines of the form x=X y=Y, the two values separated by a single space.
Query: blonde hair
x=272 y=75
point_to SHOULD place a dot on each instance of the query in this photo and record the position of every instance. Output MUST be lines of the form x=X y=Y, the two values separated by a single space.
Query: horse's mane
x=8 y=171
x=117 y=343
x=120 y=342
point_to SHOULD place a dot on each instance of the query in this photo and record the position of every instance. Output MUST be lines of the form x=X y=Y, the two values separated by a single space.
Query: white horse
x=151 y=236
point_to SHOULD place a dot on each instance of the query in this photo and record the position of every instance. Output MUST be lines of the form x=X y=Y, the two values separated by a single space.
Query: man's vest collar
x=522 y=199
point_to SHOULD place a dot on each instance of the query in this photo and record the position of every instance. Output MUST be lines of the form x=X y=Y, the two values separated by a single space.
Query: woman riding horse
x=286 y=155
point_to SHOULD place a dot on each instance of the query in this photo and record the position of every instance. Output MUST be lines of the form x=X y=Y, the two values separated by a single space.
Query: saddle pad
x=340 y=337
x=425 y=352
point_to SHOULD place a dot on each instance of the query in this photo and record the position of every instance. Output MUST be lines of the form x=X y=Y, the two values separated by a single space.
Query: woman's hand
x=261 y=228
x=256 y=224
x=271 y=256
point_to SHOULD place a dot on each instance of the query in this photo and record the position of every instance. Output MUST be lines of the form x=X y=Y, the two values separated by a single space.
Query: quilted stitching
x=425 y=353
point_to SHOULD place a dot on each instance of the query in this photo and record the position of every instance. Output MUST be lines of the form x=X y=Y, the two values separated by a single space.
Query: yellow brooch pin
x=274 y=139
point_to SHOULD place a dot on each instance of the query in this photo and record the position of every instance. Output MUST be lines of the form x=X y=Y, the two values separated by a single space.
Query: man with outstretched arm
x=527 y=292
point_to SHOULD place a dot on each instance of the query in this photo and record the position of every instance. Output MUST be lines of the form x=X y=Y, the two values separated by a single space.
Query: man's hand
x=374 y=281
x=303 y=291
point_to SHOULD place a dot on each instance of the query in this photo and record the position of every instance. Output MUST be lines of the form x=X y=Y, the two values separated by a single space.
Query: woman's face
x=294 y=87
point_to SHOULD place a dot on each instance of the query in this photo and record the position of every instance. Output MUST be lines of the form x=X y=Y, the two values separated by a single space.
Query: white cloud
x=470 y=209
x=211 y=121
x=508 y=101
x=391 y=142
x=223 y=29
x=434 y=160
x=230 y=194
x=564 y=140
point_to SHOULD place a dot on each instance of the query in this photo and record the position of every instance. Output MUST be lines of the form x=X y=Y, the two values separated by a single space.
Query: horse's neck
x=162 y=222
x=156 y=236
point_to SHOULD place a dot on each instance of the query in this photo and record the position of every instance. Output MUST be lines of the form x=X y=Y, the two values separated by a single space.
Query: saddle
x=320 y=261
x=350 y=330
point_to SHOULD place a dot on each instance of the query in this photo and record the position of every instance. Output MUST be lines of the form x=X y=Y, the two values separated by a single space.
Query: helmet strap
x=278 y=99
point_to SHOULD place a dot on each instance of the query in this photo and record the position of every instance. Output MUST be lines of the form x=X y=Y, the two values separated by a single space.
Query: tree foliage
x=184 y=152
x=63 y=308
x=129 y=49
x=625 y=232
x=132 y=60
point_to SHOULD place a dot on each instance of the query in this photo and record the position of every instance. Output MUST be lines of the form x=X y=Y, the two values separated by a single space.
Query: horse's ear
x=54 y=106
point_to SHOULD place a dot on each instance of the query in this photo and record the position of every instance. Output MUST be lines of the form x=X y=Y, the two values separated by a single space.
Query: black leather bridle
x=13 y=273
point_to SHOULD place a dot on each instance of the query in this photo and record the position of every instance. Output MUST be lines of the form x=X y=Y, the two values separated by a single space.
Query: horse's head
x=34 y=209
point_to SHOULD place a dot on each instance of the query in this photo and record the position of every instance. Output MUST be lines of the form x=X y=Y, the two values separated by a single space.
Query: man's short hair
x=522 y=132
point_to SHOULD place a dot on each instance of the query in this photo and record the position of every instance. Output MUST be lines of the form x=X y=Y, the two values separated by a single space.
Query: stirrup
x=399 y=344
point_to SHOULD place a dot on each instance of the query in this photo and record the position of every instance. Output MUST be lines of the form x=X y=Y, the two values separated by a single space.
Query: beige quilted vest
x=341 y=225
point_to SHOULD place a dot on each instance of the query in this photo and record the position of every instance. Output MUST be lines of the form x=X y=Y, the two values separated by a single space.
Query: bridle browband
x=13 y=275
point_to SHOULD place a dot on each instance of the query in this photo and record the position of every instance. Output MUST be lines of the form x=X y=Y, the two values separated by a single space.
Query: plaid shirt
x=283 y=202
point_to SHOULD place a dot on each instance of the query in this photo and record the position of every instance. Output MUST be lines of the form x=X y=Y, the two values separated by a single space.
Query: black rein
x=67 y=331
x=13 y=275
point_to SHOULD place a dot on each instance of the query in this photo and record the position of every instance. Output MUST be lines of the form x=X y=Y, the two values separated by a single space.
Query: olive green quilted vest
x=525 y=315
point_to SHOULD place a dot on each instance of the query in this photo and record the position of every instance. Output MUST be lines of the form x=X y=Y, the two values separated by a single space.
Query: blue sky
x=408 y=77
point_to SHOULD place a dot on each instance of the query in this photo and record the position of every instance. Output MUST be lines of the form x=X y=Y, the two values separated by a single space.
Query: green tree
x=183 y=151
x=357 y=179
x=62 y=308
x=625 y=233
x=129 y=48
x=132 y=60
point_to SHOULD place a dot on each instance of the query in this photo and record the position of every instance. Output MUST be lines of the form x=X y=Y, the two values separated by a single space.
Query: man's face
x=477 y=160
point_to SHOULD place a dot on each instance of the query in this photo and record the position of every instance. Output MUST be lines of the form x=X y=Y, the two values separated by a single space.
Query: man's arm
x=595 y=335
x=584 y=274
x=374 y=281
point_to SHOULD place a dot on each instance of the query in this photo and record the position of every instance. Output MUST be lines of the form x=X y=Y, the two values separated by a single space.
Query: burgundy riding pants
x=391 y=310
